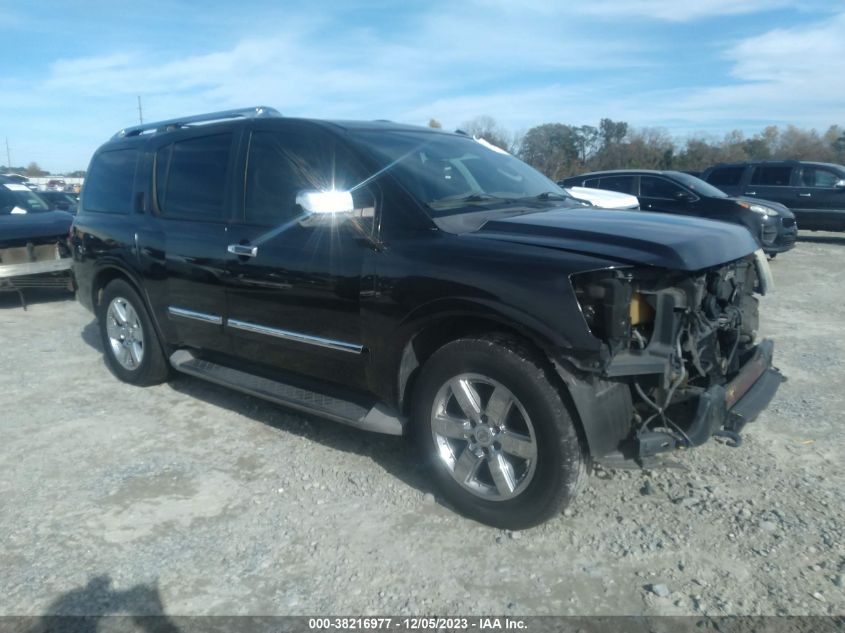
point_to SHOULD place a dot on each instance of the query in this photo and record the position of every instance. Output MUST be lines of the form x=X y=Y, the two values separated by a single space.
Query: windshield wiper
x=469 y=198
x=552 y=195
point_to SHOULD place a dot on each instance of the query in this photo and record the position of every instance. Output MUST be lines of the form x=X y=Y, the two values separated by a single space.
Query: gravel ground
x=191 y=499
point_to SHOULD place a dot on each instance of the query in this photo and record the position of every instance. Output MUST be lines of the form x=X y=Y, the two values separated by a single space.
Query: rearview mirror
x=320 y=202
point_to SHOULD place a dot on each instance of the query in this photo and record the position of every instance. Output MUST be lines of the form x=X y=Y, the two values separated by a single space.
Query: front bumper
x=724 y=409
x=784 y=236
x=27 y=269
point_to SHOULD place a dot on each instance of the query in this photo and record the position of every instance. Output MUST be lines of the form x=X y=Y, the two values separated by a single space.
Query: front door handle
x=242 y=250
x=750 y=193
x=805 y=195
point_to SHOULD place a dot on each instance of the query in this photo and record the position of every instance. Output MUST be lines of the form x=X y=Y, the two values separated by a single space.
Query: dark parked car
x=61 y=200
x=771 y=223
x=408 y=280
x=814 y=191
x=33 y=241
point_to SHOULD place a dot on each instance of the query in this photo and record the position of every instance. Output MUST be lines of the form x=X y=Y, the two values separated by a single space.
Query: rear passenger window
x=191 y=177
x=771 y=175
x=726 y=176
x=110 y=181
x=623 y=184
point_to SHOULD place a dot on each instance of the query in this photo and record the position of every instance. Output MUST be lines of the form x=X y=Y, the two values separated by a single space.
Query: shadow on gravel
x=82 y=610
x=822 y=239
x=91 y=335
x=395 y=454
x=11 y=300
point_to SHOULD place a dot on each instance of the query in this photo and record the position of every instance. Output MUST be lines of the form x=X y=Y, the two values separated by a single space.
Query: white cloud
x=523 y=64
x=789 y=75
x=673 y=11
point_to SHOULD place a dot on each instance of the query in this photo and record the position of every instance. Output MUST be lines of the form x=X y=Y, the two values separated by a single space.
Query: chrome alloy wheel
x=126 y=337
x=484 y=437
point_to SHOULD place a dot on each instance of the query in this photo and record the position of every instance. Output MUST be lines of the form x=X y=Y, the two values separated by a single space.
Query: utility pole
x=8 y=156
x=140 y=113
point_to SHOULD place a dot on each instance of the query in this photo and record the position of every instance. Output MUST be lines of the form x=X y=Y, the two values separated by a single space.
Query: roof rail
x=240 y=113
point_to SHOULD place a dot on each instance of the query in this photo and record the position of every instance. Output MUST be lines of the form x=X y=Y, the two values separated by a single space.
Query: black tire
x=560 y=461
x=153 y=367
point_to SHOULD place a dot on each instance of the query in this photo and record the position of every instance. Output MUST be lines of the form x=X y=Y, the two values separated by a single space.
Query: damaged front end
x=43 y=263
x=683 y=363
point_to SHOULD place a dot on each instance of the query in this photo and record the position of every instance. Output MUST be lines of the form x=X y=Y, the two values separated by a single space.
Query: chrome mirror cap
x=319 y=202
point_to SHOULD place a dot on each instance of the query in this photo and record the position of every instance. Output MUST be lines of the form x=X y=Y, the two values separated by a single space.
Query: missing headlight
x=605 y=301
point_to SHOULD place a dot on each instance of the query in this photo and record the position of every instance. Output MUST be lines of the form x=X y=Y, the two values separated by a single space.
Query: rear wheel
x=130 y=343
x=495 y=433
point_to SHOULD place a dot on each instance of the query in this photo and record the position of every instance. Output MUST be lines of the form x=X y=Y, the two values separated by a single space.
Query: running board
x=378 y=418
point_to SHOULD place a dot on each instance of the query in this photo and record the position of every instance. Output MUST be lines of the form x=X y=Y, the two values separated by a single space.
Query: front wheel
x=500 y=442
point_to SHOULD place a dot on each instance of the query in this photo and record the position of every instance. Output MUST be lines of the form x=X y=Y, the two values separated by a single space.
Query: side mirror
x=683 y=196
x=839 y=184
x=325 y=202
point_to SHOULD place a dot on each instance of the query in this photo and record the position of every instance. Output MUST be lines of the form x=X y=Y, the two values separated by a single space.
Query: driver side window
x=818 y=177
x=280 y=165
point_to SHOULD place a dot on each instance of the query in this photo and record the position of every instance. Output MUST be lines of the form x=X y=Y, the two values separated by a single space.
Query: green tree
x=698 y=153
x=552 y=148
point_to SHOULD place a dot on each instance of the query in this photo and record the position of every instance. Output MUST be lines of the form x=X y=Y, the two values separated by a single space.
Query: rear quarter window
x=110 y=181
x=726 y=176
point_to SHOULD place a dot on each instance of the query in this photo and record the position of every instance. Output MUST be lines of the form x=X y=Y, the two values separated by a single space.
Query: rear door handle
x=750 y=193
x=805 y=195
x=242 y=250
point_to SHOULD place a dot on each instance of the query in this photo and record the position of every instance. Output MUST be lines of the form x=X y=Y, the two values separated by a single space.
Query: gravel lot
x=191 y=499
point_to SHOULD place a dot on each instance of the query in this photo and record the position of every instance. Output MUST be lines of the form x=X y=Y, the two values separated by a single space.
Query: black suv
x=771 y=223
x=814 y=191
x=407 y=280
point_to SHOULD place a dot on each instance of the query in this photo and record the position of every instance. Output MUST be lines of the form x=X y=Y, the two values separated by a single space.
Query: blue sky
x=72 y=70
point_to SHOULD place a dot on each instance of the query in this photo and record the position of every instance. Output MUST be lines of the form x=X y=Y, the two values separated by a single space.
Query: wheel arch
x=110 y=271
x=600 y=409
x=429 y=334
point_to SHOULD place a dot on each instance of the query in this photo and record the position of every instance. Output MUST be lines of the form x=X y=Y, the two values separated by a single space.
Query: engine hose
x=734 y=438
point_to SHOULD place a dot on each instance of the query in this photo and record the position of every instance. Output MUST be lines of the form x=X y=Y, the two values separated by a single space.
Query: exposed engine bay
x=684 y=344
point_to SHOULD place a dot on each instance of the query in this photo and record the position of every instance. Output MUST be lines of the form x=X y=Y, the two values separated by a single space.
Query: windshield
x=699 y=186
x=24 y=198
x=454 y=174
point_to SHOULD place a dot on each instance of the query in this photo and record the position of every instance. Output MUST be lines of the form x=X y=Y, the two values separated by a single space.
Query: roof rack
x=170 y=124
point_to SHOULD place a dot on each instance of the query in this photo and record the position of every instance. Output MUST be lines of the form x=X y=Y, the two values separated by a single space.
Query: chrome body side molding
x=183 y=313
x=287 y=335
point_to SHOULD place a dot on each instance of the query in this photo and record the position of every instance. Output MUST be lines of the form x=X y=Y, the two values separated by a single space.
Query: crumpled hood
x=19 y=228
x=652 y=239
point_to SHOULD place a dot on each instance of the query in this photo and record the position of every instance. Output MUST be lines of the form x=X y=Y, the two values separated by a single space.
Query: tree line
x=560 y=150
